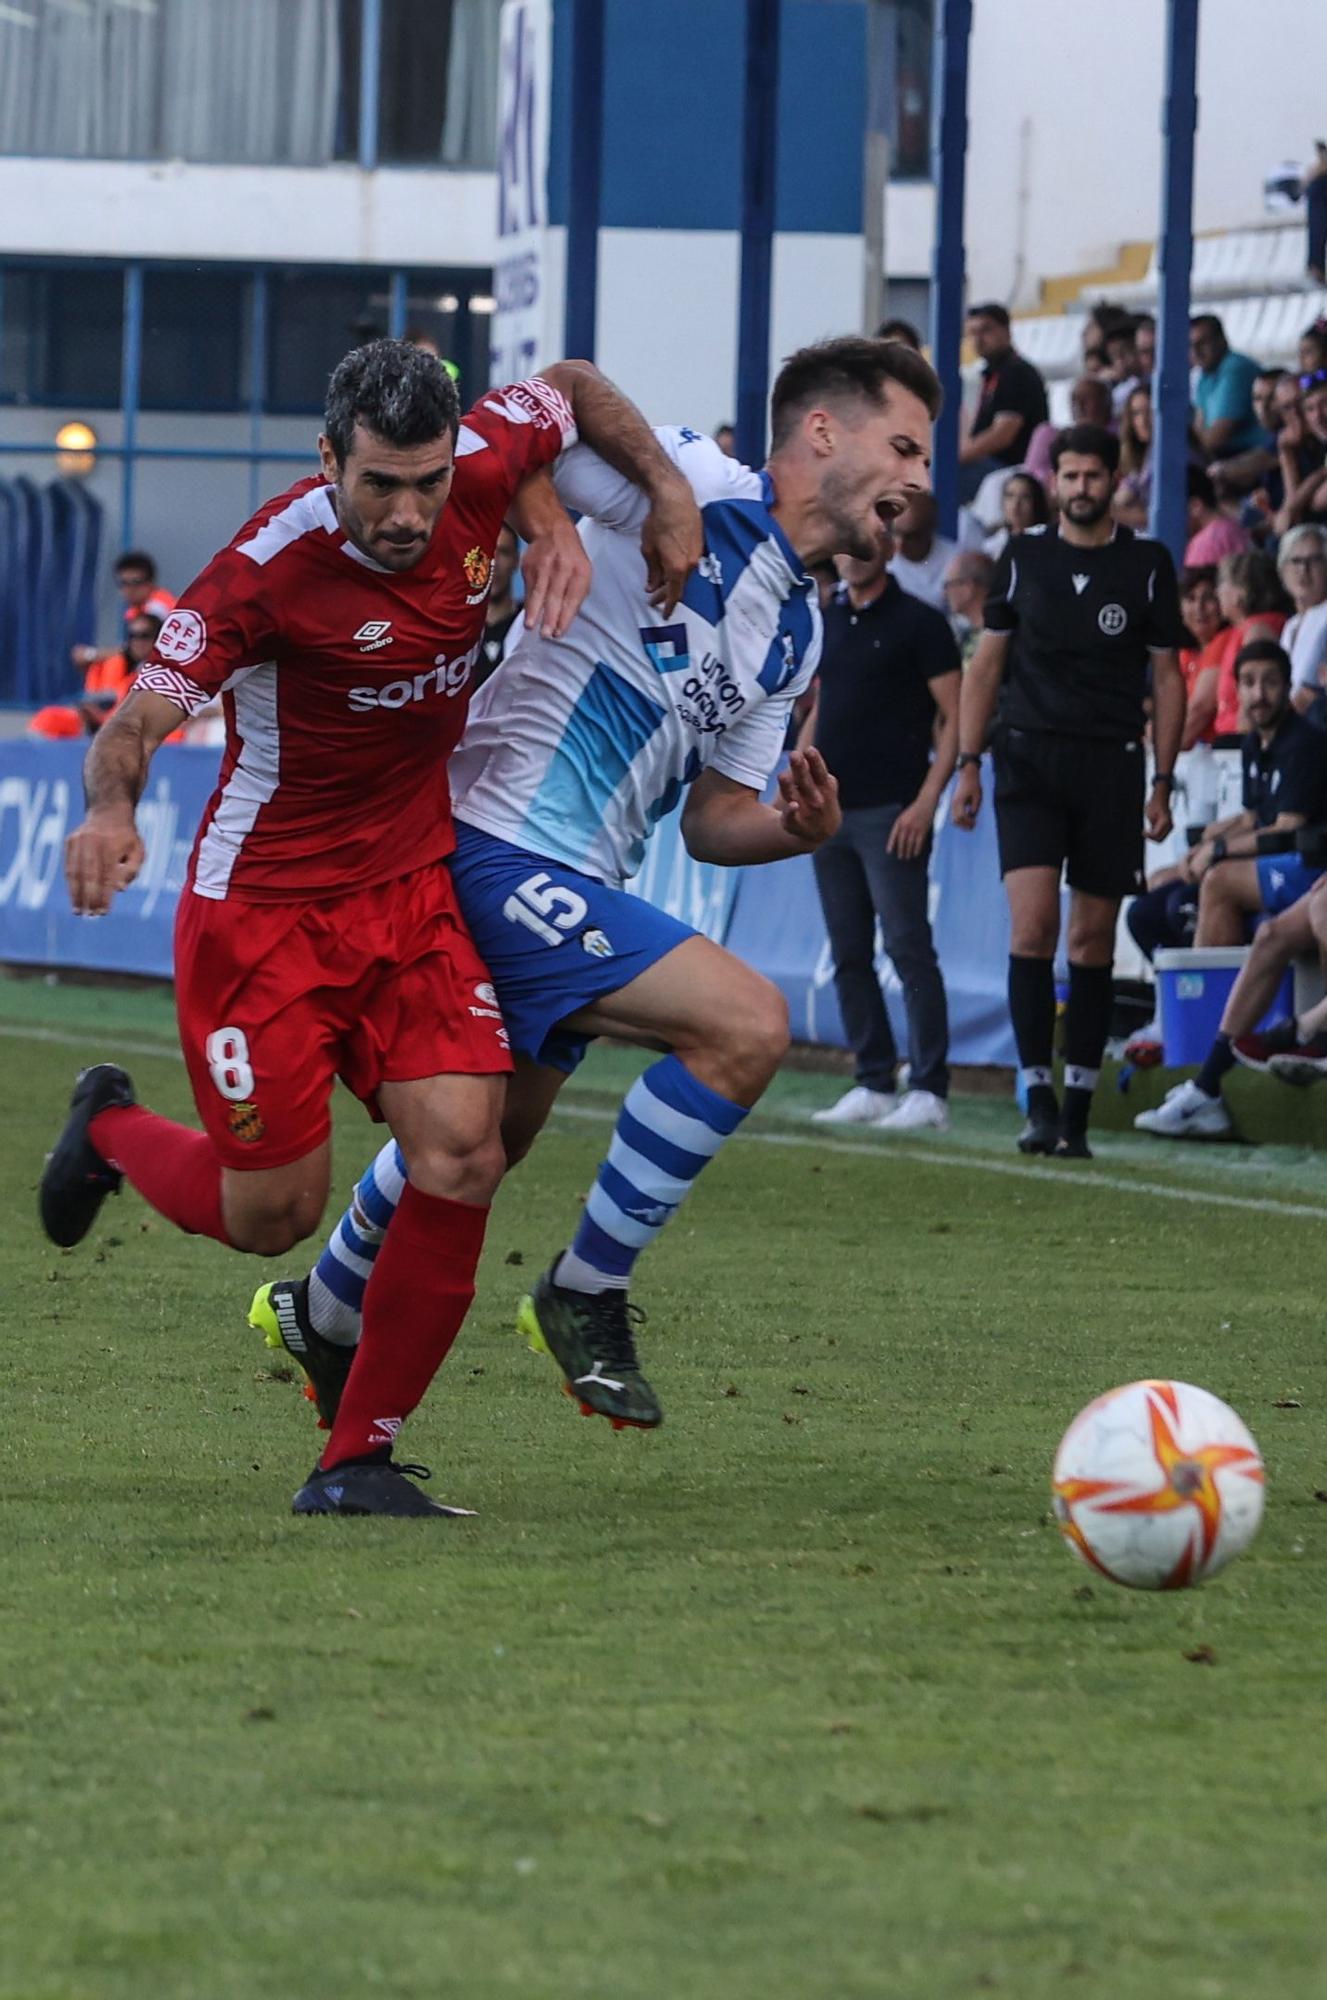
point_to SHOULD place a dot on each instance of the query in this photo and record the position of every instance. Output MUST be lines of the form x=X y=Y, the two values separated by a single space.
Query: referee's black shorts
x=1074 y=802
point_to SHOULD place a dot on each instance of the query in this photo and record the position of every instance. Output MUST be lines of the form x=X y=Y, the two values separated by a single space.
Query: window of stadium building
x=61 y=335
x=277 y=84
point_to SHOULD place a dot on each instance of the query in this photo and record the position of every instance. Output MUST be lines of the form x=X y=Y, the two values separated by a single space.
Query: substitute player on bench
x=318 y=933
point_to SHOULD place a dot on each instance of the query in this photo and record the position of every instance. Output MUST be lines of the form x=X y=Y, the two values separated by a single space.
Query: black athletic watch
x=965 y=757
x=1166 y=778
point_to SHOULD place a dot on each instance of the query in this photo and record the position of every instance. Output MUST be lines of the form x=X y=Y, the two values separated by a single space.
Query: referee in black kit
x=1075 y=618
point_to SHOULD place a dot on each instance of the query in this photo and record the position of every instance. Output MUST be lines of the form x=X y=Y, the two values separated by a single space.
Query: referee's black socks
x=1086 y=1026
x=1032 y=1011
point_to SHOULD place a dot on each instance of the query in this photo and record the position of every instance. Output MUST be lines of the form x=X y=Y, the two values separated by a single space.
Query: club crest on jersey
x=1112 y=618
x=478 y=569
x=374 y=634
x=183 y=637
x=596 y=944
x=245 y=1122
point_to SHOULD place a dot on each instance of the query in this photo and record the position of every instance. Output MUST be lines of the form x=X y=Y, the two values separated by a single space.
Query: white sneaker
x=1187 y=1113
x=858 y=1106
x=919 y=1111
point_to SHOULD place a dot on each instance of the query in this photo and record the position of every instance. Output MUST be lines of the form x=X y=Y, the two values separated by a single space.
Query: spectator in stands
x=501 y=611
x=1089 y=403
x=1145 y=347
x=921 y=556
x=1313 y=181
x=1249 y=469
x=886 y=722
x=1121 y=360
x=1295 y=1049
x=726 y=439
x=900 y=329
x=1302 y=449
x=136 y=581
x=1023 y=505
x=1225 y=423
x=967 y=581
x=1133 y=495
x=106 y=681
x=1212 y=534
x=1301 y=564
x=1200 y=660
x=1254 y=607
x=1284 y=788
x=1313 y=347
x=1011 y=404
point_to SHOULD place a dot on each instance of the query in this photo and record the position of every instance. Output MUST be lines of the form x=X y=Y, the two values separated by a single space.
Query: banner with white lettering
x=524 y=323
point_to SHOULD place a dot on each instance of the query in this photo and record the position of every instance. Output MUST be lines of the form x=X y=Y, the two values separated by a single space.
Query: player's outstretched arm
x=671 y=540
x=555 y=566
x=725 y=822
x=104 y=853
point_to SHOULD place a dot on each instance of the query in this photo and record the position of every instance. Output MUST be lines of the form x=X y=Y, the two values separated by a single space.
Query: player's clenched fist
x=102 y=856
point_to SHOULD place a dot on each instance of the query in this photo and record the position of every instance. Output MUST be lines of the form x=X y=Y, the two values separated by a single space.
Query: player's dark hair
x=1259 y=650
x=1088 y=441
x=852 y=366
x=401 y=393
x=900 y=329
x=992 y=309
x=137 y=559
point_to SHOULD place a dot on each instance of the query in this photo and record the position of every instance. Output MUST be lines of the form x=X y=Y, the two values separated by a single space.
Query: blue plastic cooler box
x=1193 y=987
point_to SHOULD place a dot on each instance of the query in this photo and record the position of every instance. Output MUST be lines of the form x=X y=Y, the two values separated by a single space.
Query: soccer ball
x=1158 y=1485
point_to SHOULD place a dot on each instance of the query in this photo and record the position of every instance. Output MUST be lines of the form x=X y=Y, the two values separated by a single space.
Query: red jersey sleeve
x=523 y=427
x=222 y=623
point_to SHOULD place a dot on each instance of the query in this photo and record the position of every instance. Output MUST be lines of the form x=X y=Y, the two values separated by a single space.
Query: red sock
x=419 y=1293
x=175 y=1169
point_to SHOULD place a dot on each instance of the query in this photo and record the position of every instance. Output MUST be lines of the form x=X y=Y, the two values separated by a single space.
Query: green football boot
x=589 y=1335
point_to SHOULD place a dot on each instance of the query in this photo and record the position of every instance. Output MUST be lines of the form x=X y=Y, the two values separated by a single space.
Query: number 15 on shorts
x=545 y=908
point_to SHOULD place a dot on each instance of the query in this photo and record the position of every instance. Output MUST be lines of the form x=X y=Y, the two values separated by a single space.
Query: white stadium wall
x=1064 y=160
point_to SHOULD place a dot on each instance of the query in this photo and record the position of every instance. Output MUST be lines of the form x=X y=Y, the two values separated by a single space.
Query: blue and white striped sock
x=669 y=1127
x=340 y=1277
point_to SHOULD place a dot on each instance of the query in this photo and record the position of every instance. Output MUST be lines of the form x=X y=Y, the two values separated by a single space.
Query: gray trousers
x=858 y=882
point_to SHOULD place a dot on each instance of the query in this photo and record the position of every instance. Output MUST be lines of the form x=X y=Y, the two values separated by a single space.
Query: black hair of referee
x=1082 y=622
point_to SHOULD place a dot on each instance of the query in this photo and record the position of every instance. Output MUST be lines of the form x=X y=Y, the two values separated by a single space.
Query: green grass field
x=801 y=1698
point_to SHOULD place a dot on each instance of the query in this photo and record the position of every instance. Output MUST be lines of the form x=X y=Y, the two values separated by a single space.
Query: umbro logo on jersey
x=1080 y=583
x=374 y=634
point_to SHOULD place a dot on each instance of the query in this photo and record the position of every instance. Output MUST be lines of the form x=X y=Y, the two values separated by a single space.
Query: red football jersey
x=345 y=685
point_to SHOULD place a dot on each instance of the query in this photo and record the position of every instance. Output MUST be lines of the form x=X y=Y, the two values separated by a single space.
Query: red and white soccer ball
x=1158 y=1485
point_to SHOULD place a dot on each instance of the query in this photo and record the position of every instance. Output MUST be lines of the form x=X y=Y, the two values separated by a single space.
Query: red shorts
x=275 y=1000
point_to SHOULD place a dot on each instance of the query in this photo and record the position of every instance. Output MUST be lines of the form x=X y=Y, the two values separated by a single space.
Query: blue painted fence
x=768 y=916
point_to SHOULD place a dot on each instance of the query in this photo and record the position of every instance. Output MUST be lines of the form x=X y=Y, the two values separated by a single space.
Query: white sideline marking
x=908 y=1149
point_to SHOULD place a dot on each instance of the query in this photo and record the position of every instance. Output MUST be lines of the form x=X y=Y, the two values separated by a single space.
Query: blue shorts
x=1283 y=879
x=553 y=939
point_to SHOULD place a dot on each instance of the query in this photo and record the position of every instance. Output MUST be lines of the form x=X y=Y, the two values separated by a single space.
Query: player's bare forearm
x=555 y=566
x=727 y=824
x=104 y=853
x=672 y=539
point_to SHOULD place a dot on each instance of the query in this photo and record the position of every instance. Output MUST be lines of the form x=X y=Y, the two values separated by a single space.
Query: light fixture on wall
x=76 y=448
x=482 y=302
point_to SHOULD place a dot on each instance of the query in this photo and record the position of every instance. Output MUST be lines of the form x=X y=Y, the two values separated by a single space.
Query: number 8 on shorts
x=228 y=1060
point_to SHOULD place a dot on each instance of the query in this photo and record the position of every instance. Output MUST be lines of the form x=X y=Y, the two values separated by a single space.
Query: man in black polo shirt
x=1011 y=405
x=1075 y=618
x=889 y=666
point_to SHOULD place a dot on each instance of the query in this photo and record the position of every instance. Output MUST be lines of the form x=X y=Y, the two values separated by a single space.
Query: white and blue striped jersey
x=577 y=747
